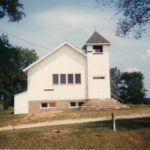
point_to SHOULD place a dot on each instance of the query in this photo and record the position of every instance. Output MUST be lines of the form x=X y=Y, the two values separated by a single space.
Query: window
x=63 y=78
x=98 y=48
x=76 y=104
x=73 y=104
x=44 y=105
x=80 y=104
x=55 y=79
x=77 y=78
x=52 y=104
x=48 y=105
x=70 y=78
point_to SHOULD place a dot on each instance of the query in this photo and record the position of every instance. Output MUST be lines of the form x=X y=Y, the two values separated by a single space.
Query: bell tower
x=98 y=76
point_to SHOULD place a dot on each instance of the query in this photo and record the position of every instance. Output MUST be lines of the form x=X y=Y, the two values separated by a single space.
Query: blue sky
x=48 y=23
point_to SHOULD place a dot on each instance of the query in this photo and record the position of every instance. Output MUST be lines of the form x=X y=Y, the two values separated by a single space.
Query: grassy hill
x=131 y=134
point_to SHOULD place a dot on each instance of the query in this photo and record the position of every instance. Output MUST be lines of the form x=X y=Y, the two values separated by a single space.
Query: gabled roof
x=97 y=38
x=51 y=52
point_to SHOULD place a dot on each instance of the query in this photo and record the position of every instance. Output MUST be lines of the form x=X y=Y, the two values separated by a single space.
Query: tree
x=12 y=61
x=27 y=57
x=132 y=89
x=135 y=16
x=12 y=9
x=127 y=87
x=115 y=79
x=10 y=57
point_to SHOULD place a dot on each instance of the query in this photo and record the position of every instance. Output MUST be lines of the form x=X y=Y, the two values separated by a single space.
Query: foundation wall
x=35 y=106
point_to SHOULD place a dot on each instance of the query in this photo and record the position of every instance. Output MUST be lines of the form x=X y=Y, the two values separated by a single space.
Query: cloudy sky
x=48 y=23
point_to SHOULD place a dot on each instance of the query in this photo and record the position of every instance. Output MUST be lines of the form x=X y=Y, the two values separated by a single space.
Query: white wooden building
x=67 y=77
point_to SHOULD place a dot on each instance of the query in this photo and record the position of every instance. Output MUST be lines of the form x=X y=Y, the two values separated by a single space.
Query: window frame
x=66 y=79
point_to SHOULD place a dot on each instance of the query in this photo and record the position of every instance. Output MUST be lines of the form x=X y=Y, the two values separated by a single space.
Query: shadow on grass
x=137 y=123
x=122 y=124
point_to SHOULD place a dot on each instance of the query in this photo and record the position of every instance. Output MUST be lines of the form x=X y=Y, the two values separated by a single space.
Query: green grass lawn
x=131 y=134
x=8 y=118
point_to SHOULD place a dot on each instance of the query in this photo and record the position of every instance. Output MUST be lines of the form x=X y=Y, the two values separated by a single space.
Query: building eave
x=97 y=43
x=92 y=44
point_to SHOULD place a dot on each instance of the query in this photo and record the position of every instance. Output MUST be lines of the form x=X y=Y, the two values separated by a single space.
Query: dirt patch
x=54 y=134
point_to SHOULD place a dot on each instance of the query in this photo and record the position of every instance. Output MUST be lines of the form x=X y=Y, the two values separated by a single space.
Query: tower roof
x=97 y=38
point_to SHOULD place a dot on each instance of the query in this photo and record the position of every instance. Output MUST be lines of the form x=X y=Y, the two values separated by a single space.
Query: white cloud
x=132 y=69
x=146 y=54
x=52 y=26
x=73 y=18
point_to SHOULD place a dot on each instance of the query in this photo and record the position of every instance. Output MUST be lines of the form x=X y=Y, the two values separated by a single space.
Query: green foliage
x=115 y=79
x=12 y=9
x=127 y=87
x=12 y=61
x=135 y=15
x=132 y=88
x=26 y=57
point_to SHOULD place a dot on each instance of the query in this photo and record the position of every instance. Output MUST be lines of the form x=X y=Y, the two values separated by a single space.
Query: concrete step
x=100 y=104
